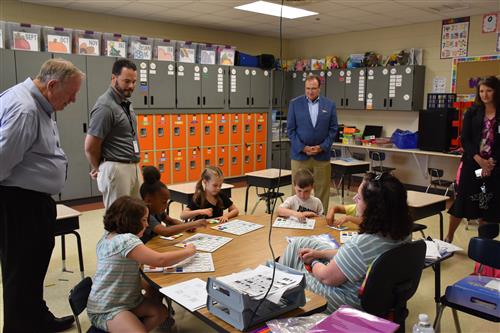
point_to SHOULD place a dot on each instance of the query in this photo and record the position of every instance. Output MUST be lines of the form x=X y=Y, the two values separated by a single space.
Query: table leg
x=246 y=198
x=80 y=253
x=440 y=226
x=437 y=285
x=63 y=253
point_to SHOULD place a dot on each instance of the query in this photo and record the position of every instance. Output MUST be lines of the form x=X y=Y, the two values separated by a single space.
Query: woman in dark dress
x=478 y=194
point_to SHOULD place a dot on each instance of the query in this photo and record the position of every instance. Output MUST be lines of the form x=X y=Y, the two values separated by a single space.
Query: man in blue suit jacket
x=312 y=126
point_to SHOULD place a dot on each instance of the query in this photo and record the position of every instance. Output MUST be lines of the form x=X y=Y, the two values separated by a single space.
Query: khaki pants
x=321 y=171
x=116 y=179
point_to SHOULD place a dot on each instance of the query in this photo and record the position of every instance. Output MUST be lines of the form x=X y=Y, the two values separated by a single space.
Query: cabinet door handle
x=385 y=102
x=84 y=127
x=252 y=100
x=390 y=102
x=152 y=98
x=145 y=100
x=198 y=100
x=204 y=100
x=248 y=101
x=347 y=102
x=342 y=101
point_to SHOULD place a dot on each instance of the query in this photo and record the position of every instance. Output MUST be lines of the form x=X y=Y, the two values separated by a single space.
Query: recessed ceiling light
x=268 y=8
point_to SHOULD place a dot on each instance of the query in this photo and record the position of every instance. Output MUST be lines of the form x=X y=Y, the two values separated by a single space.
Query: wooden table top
x=422 y=199
x=64 y=212
x=398 y=150
x=189 y=188
x=245 y=251
x=269 y=173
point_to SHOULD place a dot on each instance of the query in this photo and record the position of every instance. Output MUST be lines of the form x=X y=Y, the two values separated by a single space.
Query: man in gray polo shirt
x=111 y=145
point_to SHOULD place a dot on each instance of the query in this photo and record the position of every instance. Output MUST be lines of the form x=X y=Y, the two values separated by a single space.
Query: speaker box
x=266 y=61
x=434 y=129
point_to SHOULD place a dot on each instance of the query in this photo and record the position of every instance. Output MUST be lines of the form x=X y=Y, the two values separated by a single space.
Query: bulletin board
x=467 y=70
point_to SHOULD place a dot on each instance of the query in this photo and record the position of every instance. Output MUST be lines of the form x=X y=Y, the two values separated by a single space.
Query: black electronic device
x=434 y=129
x=373 y=130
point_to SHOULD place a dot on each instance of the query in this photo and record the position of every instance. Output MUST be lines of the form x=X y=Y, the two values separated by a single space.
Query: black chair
x=392 y=280
x=78 y=297
x=417 y=227
x=270 y=197
x=436 y=180
x=377 y=156
x=486 y=252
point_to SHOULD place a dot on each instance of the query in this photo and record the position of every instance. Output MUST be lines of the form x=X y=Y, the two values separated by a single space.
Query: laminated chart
x=205 y=242
x=294 y=223
x=237 y=227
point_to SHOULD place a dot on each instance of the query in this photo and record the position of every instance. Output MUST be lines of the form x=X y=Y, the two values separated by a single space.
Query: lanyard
x=126 y=108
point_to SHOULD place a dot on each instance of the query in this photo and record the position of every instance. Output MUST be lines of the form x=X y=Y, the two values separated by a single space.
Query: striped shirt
x=117 y=281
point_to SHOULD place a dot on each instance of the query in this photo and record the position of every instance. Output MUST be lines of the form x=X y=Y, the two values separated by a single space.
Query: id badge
x=136 y=147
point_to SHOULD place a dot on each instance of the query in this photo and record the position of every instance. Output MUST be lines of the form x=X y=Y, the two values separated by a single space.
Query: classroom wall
x=16 y=11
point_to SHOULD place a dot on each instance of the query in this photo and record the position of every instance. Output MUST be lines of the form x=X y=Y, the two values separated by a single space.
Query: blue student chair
x=78 y=297
x=486 y=252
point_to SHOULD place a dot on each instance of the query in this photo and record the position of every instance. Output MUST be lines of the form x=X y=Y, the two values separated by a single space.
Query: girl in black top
x=208 y=201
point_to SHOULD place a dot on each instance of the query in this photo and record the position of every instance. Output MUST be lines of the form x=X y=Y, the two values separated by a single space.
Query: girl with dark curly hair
x=381 y=202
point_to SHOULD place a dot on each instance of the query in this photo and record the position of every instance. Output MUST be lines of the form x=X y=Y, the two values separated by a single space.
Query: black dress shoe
x=55 y=324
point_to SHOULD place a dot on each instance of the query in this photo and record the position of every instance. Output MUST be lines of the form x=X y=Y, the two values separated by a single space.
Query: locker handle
x=252 y=100
x=385 y=102
x=390 y=102
x=342 y=101
x=204 y=100
x=84 y=127
x=152 y=100
x=198 y=100
x=145 y=100
x=347 y=102
x=248 y=100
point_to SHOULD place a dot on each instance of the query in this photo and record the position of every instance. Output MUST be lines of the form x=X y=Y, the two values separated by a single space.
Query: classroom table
x=270 y=180
x=424 y=205
x=183 y=192
x=413 y=152
x=67 y=222
x=349 y=167
x=245 y=251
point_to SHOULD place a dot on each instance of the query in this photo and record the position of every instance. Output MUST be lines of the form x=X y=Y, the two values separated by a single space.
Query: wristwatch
x=309 y=267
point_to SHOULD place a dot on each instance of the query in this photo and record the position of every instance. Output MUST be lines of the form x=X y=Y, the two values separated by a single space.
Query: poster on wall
x=490 y=22
x=455 y=37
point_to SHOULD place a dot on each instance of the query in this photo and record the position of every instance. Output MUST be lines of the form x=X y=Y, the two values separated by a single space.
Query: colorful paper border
x=458 y=60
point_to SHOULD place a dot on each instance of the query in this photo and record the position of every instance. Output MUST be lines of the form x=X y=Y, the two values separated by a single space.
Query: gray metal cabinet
x=239 y=87
x=281 y=82
x=355 y=86
x=188 y=86
x=406 y=88
x=280 y=155
x=377 y=88
x=335 y=86
x=200 y=86
x=260 y=88
x=297 y=82
x=72 y=123
x=213 y=86
x=98 y=80
x=28 y=64
x=155 y=88
x=8 y=66
x=249 y=88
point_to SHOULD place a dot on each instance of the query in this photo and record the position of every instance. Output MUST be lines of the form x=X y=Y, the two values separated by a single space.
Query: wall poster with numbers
x=455 y=37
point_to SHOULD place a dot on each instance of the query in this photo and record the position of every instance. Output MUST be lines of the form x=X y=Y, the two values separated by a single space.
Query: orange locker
x=145 y=128
x=236 y=158
x=236 y=134
x=208 y=156
x=162 y=122
x=163 y=164
x=223 y=159
x=194 y=164
x=222 y=129
x=248 y=158
x=147 y=158
x=208 y=130
x=248 y=127
x=179 y=165
x=260 y=156
x=194 y=132
x=179 y=130
x=261 y=127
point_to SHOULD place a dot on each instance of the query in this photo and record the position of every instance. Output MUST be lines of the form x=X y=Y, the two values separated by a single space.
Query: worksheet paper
x=237 y=227
x=205 y=242
x=294 y=223
x=198 y=263
x=191 y=294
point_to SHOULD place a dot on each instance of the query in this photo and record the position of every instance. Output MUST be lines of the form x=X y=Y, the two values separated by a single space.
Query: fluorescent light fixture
x=268 y=8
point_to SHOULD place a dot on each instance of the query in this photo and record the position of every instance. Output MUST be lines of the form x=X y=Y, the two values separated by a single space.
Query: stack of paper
x=199 y=262
x=255 y=283
x=437 y=248
x=191 y=294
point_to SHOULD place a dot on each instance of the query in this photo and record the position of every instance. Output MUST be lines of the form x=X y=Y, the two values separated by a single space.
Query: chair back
x=78 y=297
x=485 y=251
x=436 y=173
x=488 y=230
x=377 y=155
x=393 y=279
